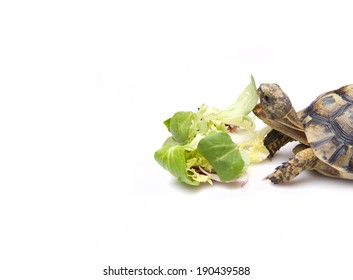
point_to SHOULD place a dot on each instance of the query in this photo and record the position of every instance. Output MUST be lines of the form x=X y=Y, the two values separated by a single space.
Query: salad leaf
x=183 y=162
x=213 y=143
x=172 y=157
x=237 y=113
x=179 y=125
x=223 y=154
x=251 y=142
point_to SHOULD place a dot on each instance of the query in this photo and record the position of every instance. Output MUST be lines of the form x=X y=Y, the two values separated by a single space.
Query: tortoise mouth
x=258 y=111
x=258 y=108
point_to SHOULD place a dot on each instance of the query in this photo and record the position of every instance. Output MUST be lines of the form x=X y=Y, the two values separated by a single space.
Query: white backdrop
x=85 y=87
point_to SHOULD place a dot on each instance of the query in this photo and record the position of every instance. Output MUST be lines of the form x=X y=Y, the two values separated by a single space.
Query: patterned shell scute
x=328 y=124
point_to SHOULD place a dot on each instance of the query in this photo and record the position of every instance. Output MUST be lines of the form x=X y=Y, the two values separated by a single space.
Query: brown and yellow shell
x=328 y=124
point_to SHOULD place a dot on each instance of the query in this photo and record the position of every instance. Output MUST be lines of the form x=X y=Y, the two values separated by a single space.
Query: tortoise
x=324 y=130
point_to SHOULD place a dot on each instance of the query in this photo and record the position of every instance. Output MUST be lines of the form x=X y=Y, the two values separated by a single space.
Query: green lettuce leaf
x=223 y=154
x=183 y=161
x=180 y=125
x=172 y=157
x=237 y=113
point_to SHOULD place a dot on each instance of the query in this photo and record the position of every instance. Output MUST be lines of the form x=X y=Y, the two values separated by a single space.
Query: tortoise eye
x=266 y=98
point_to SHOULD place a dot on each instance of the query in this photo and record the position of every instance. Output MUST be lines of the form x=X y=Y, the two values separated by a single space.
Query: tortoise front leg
x=304 y=159
x=275 y=140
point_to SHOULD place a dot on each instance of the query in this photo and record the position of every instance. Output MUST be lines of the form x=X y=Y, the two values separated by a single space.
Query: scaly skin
x=304 y=159
x=275 y=140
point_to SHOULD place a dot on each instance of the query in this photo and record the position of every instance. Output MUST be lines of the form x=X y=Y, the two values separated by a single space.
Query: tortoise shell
x=328 y=125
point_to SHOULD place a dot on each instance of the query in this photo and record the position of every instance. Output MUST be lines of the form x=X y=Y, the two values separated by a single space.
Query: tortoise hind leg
x=304 y=159
x=275 y=140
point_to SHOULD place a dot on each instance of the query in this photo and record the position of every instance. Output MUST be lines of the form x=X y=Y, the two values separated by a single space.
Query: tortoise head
x=274 y=103
x=276 y=110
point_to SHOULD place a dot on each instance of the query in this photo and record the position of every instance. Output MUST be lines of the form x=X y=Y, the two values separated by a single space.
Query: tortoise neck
x=291 y=125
